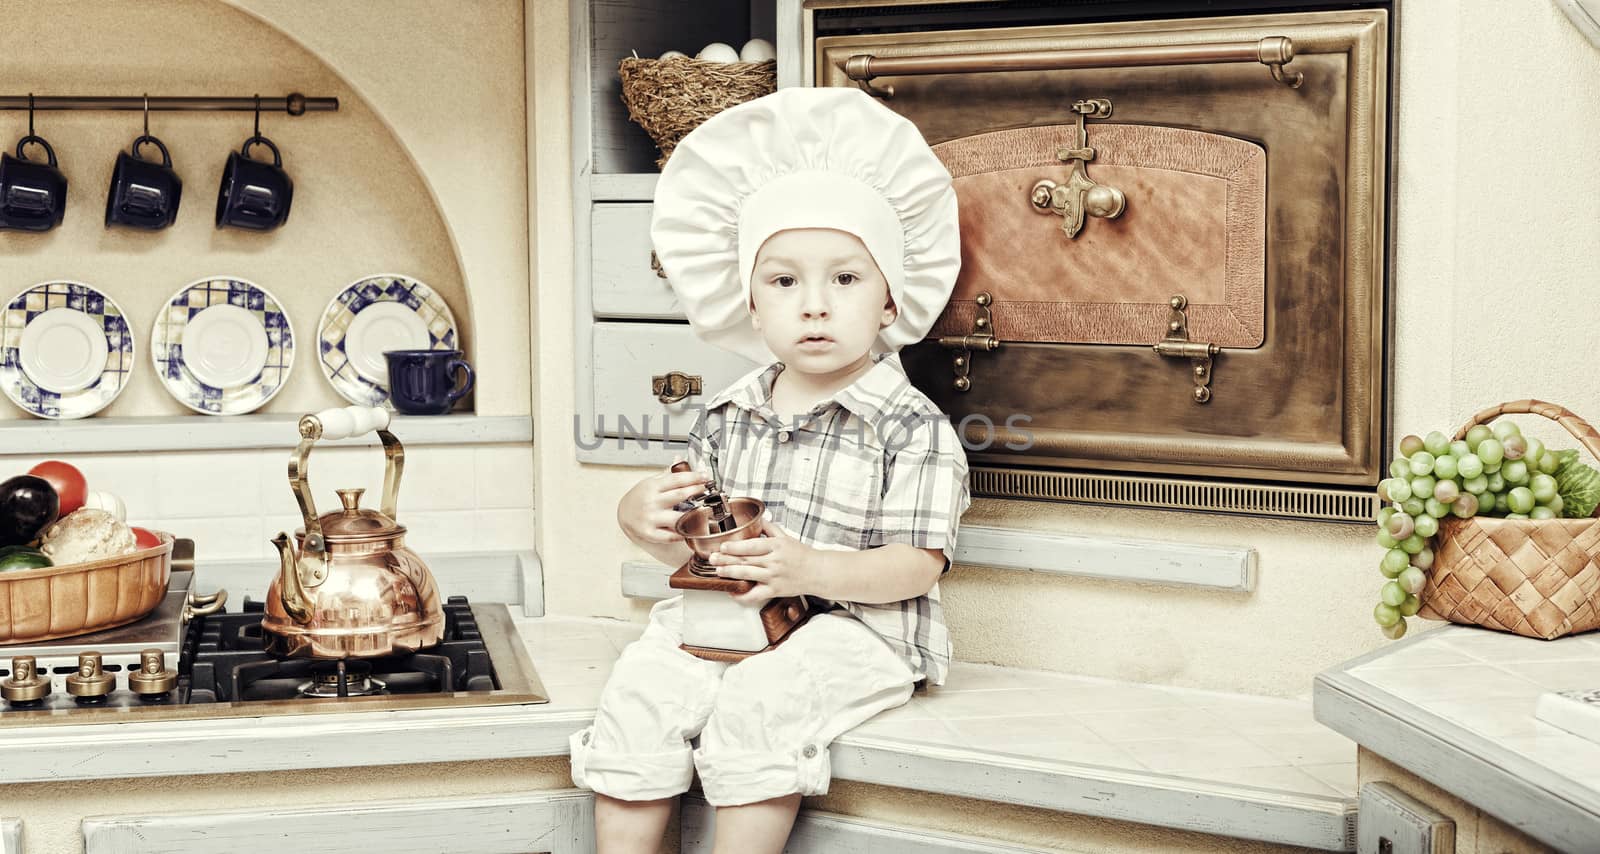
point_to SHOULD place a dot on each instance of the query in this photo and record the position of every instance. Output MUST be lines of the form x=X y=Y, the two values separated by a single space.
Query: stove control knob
x=26 y=683
x=152 y=678
x=90 y=680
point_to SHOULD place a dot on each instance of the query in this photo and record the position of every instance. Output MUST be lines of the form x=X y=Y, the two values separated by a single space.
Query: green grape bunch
x=1492 y=471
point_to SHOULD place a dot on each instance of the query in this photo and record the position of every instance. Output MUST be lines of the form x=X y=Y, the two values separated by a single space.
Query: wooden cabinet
x=635 y=352
x=532 y=823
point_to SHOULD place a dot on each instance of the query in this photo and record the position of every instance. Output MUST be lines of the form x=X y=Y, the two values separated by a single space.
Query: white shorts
x=764 y=724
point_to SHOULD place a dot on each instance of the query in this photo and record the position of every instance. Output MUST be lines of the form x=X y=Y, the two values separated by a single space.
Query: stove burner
x=225 y=663
x=342 y=679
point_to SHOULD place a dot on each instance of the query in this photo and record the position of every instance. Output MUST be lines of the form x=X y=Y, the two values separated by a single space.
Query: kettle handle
x=346 y=422
x=343 y=422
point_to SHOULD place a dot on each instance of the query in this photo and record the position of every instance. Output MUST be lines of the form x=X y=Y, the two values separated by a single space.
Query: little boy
x=814 y=232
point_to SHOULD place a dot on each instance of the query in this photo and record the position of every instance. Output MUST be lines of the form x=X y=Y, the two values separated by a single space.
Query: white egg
x=674 y=54
x=757 y=50
x=718 y=52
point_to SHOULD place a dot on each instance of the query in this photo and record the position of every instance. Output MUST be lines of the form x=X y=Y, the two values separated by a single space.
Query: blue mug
x=423 y=382
x=33 y=193
x=144 y=193
x=254 y=194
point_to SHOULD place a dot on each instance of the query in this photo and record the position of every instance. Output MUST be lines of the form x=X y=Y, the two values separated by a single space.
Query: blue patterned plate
x=374 y=314
x=223 y=346
x=65 y=350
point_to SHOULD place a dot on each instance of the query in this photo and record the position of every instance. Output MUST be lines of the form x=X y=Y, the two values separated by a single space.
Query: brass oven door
x=1295 y=390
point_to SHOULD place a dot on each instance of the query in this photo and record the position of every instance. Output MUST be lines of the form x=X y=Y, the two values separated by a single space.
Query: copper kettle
x=348 y=587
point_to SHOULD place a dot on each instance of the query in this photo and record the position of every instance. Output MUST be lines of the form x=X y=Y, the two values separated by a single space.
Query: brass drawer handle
x=674 y=386
x=655 y=264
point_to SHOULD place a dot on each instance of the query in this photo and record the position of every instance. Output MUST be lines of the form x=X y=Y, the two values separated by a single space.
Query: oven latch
x=981 y=338
x=1080 y=196
x=1176 y=344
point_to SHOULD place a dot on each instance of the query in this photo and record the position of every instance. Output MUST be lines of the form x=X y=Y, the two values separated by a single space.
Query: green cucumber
x=21 y=557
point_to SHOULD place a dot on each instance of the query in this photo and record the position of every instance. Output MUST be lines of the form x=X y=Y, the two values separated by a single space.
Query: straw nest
x=670 y=97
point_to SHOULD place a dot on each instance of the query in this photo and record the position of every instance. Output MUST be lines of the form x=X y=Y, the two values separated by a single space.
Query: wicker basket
x=1537 y=578
x=670 y=97
x=74 y=599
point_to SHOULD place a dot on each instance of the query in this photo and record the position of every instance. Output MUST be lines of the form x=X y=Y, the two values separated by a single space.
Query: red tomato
x=67 y=481
x=145 y=539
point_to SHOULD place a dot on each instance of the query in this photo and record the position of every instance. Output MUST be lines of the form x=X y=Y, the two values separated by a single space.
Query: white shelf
x=240 y=432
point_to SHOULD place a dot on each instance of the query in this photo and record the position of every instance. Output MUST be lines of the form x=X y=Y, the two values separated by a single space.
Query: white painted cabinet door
x=622 y=280
x=826 y=833
x=560 y=822
x=629 y=356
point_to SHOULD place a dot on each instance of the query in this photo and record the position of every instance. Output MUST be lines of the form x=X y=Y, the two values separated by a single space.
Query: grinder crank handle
x=722 y=518
x=345 y=422
x=679 y=467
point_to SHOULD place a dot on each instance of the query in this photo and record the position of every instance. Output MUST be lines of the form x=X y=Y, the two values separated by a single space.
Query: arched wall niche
x=363 y=204
x=448 y=79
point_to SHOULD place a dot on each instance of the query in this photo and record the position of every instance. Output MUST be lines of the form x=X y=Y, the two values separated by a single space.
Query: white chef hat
x=804 y=158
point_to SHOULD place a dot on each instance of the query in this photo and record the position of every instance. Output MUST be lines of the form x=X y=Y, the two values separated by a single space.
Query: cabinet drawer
x=621 y=279
x=557 y=822
x=627 y=358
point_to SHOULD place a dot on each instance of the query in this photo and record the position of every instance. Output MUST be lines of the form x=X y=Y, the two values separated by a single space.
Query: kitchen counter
x=1215 y=763
x=1218 y=764
x=1455 y=707
x=161 y=748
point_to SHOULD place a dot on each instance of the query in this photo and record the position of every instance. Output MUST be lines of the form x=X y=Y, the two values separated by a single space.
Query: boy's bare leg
x=629 y=827
x=758 y=828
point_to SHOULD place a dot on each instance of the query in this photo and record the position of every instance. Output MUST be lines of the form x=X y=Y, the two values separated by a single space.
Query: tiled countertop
x=1455 y=706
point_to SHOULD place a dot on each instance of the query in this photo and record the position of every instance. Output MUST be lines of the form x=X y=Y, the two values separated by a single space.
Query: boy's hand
x=779 y=564
x=645 y=512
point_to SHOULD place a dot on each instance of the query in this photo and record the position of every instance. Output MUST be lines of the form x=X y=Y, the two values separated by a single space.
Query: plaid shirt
x=877 y=464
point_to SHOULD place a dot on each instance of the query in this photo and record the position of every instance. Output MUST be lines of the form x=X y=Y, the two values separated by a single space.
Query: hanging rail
x=1273 y=51
x=294 y=103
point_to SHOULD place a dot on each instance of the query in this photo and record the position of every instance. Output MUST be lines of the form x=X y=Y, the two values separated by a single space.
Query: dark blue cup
x=423 y=382
x=33 y=194
x=254 y=194
x=144 y=193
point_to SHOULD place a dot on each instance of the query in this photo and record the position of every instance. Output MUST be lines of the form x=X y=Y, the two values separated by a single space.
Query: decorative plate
x=223 y=346
x=370 y=316
x=65 y=350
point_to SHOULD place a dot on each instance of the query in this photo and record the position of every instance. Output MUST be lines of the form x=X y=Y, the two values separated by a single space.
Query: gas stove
x=168 y=667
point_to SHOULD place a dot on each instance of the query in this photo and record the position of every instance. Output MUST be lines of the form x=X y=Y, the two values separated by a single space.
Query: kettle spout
x=293 y=594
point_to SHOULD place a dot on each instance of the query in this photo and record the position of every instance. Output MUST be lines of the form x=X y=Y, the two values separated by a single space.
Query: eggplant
x=28 y=505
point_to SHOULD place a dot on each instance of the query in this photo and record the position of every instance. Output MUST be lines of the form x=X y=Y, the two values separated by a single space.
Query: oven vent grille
x=1292 y=502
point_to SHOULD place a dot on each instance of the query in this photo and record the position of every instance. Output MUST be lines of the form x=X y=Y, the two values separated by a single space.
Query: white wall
x=1498 y=232
x=396 y=180
x=452 y=498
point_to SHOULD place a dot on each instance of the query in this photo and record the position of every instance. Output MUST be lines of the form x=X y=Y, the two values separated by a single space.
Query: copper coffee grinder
x=715 y=626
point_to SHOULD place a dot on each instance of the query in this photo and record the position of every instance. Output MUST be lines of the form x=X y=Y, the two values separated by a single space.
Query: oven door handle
x=1272 y=51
